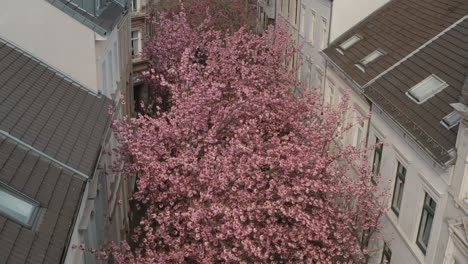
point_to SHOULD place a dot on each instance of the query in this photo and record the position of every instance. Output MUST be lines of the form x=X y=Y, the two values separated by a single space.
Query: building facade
x=410 y=75
x=87 y=44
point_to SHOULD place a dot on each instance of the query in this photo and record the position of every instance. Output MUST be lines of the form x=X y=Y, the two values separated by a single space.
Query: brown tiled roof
x=399 y=28
x=51 y=132
x=420 y=38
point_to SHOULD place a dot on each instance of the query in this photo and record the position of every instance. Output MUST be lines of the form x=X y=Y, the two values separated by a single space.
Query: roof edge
x=50 y=67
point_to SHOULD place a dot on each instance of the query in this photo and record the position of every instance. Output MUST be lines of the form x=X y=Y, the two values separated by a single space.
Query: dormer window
x=451 y=120
x=348 y=43
x=369 y=59
x=18 y=207
x=426 y=89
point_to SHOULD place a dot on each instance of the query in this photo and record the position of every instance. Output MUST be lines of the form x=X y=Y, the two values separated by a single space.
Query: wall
x=423 y=176
x=344 y=18
x=52 y=36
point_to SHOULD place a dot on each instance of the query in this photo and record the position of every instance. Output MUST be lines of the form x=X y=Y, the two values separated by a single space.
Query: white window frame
x=137 y=8
x=104 y=77
x=302 y=21
x=324 y=33
x=311 y=33
x=442 y=86
x=138 y=40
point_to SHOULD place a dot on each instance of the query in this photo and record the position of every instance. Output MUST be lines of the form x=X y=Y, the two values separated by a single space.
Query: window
x=324 y=33
x=117 y=62
x=18 y=207
x=134 y=5
x=104 y=77
x=451 y=120
x=111 y=72
x=319 y=77
x=331 y=93
x=302 y=25
x=377 y=160
x=348 y=43
x=426 y=89
x=311 y=36
x=372 y=57
x=296 y=15
x=386 y=255
x=425 y=226
x=358 y=131
x=399 y=188
x=136 y=43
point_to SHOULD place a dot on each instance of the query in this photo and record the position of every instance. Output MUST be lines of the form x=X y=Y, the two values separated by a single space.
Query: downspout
x=274 y=24
x=328 y=44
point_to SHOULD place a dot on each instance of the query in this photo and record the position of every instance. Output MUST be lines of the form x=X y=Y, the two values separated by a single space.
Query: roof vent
x=426 y=89
x=451 y=120
x=348 y=43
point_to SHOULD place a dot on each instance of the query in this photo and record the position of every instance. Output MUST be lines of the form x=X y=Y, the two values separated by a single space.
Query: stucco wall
x=423 y=176
x=52 y=36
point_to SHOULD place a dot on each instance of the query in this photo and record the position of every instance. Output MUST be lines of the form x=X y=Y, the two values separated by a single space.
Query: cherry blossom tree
x=238 y=162
x=226 y=14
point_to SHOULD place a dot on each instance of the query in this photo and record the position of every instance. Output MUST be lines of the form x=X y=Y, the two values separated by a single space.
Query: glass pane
x=371 y=57
x=15 y=207
x=426 y=88
x=350 y=42
x=427 y=230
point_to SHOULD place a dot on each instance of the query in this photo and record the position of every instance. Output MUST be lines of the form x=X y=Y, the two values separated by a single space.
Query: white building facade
x=89 y=43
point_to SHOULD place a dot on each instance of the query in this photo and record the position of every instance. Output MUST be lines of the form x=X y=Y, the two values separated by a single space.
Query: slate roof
x=56 y=189
x=420 y=38
x=49 y=112
x=102 y=23
x=51 y=132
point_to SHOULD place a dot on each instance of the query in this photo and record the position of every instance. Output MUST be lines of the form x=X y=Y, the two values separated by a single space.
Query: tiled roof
x=399 y=28
x=102 y=23
x=446 y=57
x=49 y=112
x=419 y=38
x=51 y=132
x=56 y=189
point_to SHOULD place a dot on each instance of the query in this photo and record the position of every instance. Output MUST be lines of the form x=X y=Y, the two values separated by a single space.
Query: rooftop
x=422 y=72
x=51 y=132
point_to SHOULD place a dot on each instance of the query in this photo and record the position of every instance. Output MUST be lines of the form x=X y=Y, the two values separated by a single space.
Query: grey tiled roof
x=101 y=24
x=50 y=112
x=51 y=132
x=419 y=41
x=57 y=190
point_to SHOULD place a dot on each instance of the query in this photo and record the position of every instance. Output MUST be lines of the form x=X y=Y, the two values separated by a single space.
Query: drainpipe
x=328 y=44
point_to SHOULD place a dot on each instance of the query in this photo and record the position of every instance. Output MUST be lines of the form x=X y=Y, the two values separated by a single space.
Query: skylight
x=349 y=43
x=17 y=206
x=372 y=57
x=426 y=89
x=451 y=120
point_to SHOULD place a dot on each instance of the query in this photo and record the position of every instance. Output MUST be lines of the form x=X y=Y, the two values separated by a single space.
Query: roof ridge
x=456 y=23
x=60 y=164
x=50 y=67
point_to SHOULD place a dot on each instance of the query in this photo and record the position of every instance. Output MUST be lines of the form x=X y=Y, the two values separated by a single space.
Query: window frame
x=402 y=177
x=430 y=212
x=302 y=21
x=378 y=150
x=35 y=213
x=442 y=86
x=138 y=40
x=324 y=33
x=386 y=254
x=311 y=33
